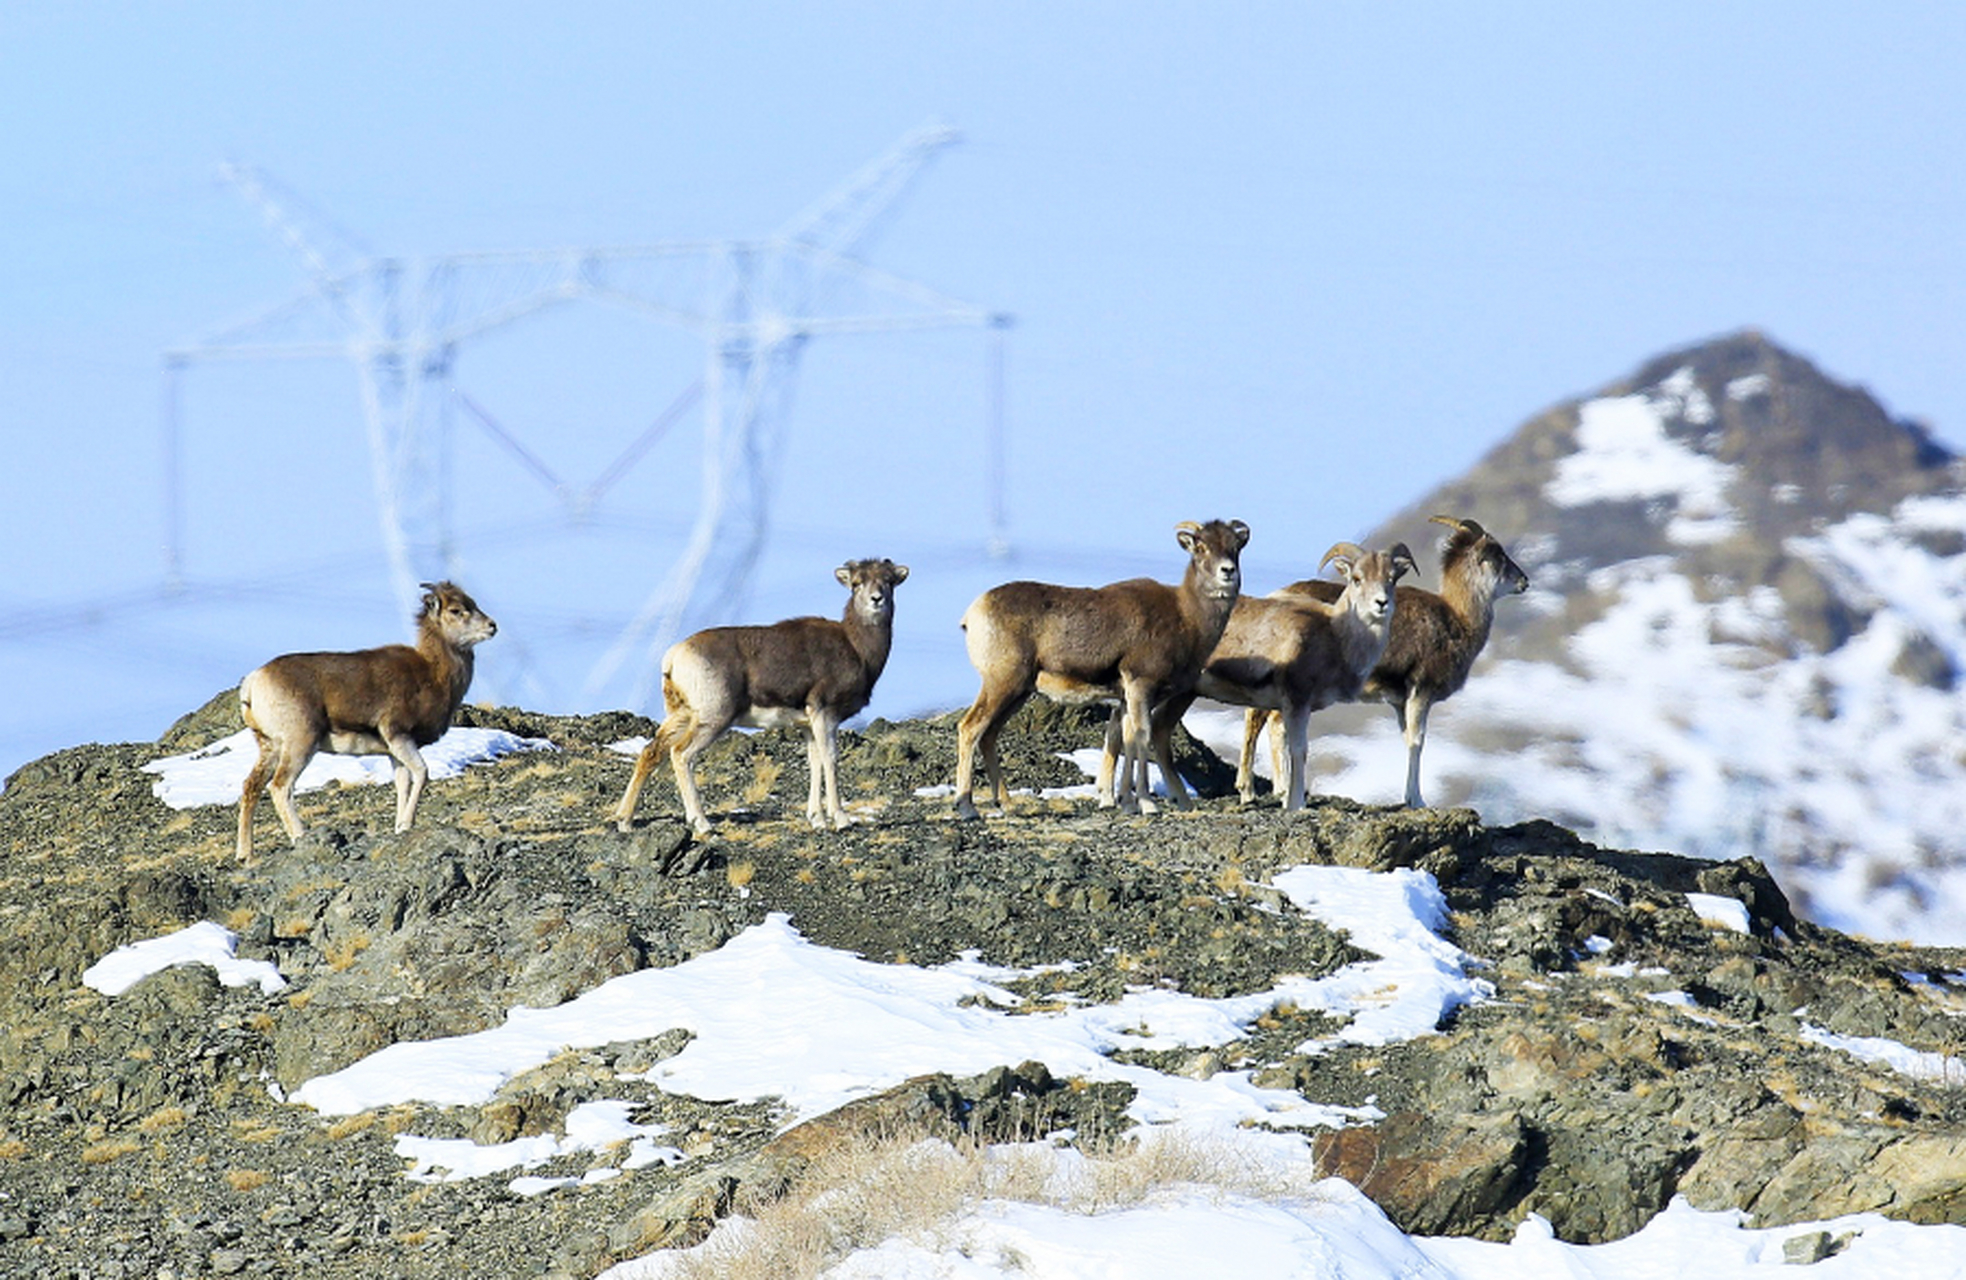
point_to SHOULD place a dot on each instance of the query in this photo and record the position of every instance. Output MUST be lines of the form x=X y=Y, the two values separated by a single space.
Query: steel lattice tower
x=755 y=303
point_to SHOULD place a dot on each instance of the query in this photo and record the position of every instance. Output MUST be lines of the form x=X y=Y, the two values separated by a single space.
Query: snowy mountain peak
x=1746 y=626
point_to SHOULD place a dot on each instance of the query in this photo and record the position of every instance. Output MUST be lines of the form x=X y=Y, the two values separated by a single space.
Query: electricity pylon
x=756 y=304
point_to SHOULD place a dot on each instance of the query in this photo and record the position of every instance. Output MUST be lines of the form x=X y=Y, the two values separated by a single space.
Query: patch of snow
x=1716 y=909
x=774 y=1015
x=1624 y=453
x=1918 y=1064
x=1747 y=388
x=591 y=1126
x=216 y=774
x=204 y=943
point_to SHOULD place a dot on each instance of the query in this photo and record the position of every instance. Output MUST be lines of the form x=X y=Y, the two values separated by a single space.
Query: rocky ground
x=139 y=1135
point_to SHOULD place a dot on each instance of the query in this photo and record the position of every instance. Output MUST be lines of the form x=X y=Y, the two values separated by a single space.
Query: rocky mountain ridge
x=1632 y=1050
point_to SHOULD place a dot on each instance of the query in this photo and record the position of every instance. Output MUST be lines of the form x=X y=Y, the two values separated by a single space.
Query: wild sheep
x=1435 y=638
x=390 y=700
x=1134 y=642
x=1293 y=656
x=810 y=671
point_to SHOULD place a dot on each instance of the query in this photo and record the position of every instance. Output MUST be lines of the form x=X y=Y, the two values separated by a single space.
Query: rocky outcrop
x=1633 y=1051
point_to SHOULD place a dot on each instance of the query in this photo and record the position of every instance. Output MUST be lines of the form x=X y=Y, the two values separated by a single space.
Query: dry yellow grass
x=12 y=1148
x=247 y=1179
x=739 y=874
x=255 y=1131
x=240 y=918
x=341 y=953
x=881 y=1188
x=763 y=779
x=109 y=1149
x=163 y=1120
x=347 y=1126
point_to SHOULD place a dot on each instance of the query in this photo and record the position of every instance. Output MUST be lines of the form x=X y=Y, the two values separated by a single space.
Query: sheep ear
x=1185 y=533
x=1402 y=561
x=845 y=574
x=900 y=572
x=1241 y=531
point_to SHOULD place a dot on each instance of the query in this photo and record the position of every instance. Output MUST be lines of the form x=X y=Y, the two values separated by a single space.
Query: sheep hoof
x=966 y=810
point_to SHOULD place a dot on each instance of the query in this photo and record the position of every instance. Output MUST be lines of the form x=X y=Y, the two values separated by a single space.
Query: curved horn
x=1187 y=526
x=1349 y=550
x=1453 y=522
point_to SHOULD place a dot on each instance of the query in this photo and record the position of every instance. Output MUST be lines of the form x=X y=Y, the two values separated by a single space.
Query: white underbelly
x=772 y=718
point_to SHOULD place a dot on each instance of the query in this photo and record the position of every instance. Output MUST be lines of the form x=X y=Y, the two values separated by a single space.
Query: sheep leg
x=1252 y=733
x=683 y=759
x=285 y=774
x=409 y=761
x=645 y=762
x=1413 y=727
x=1161 y=732
x=1133 y=762
x=824 y=754
x=1109 y=758
x=979 y=728
x=1296 y=723
x=249 y=797
x=1277 y=762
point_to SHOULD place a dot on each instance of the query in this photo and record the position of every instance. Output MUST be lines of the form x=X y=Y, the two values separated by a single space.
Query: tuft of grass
x=12 y=1148
x=881 y=1188
x=341 y=953
x=247 y=1179
x=347 y=1126
x=110 y=1149
x=763 y=779
x=163 y=1120
x=739 y=874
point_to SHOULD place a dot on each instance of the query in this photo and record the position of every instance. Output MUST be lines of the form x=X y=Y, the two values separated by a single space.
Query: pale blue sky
x=1288 y=263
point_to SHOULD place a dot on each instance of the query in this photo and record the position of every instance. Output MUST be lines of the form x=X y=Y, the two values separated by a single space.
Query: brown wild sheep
x=810 y=671
x=1133 y=642
x=1435 y=638
x=1293 y=655
x=391 y=701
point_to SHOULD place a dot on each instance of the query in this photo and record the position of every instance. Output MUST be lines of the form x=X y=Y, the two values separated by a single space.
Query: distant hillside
x=1745 y=634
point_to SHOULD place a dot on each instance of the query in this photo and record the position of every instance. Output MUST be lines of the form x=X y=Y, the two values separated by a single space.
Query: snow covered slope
x=1744 y=635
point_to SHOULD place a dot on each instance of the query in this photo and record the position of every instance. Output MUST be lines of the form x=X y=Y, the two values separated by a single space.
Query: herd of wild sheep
x=1146 y=649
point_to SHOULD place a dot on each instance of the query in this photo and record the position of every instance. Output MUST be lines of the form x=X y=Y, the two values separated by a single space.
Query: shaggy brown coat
x=1435 y=639
x=390 y=701
x=1293 y=656
x=1133 y=643
x=810 y=671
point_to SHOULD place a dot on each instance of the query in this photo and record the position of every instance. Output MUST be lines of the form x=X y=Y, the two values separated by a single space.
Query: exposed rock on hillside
x=1632 y=1051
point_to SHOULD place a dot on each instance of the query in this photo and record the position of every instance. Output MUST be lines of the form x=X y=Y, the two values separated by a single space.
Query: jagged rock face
x=1744 y=635
x=1632 y=1051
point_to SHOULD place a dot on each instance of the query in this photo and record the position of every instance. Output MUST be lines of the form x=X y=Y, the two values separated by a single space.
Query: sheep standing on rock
x=1133 y=643
x=390 y=700
x=1435 y=639
x=1293 y=655
x=810 y=671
